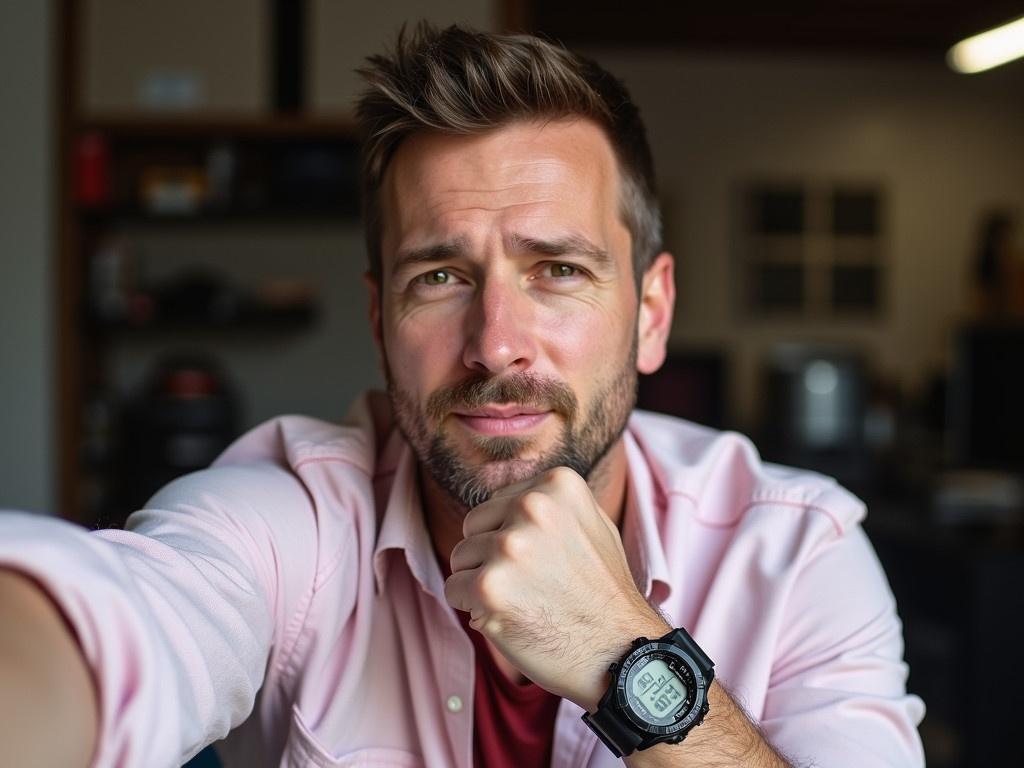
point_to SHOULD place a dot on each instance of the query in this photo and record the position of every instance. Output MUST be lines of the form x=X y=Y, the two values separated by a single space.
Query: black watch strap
x=682 y=638
x=616 y=734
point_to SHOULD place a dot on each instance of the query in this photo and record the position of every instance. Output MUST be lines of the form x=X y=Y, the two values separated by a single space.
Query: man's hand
x=543 y=575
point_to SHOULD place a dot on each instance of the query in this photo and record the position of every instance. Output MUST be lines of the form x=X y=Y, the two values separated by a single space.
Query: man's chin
x=495 y=475
x=475 y=483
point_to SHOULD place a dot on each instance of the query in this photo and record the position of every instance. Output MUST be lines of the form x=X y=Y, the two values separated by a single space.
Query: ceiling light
x=988 y=49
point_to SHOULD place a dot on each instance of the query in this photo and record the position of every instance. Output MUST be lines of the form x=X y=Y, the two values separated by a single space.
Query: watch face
x=656 y=691
x=660 y=688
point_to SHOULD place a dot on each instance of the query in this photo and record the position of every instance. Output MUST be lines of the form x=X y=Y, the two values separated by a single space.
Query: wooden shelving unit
x=269 y=154
x=181 y=140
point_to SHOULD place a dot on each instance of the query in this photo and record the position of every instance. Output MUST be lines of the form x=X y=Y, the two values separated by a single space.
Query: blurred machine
x=814 y=410
x=181 y=421
x=985 y=408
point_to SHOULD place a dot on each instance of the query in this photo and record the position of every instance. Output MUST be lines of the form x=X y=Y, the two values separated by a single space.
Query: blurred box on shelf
x=144 y=56
x=170 y=190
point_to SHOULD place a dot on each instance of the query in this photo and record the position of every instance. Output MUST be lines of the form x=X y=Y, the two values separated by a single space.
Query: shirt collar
x=403 y=527
x=641 y=537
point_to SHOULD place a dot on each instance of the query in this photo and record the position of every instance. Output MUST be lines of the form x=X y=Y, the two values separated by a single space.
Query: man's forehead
x=552 y=166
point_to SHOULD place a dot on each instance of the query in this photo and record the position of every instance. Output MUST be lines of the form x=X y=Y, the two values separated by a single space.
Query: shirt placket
x=452 y=654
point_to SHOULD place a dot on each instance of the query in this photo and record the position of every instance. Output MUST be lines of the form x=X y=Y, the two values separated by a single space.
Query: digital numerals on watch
x=657 y=692
x=660 y=689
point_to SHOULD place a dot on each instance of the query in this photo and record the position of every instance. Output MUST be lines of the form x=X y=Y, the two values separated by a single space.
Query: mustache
x=526 y=389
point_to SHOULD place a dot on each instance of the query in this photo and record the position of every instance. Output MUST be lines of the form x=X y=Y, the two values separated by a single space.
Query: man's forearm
x=725 y=738
x=48 y=711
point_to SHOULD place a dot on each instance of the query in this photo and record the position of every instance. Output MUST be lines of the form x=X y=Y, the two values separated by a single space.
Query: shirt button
x=454 y=704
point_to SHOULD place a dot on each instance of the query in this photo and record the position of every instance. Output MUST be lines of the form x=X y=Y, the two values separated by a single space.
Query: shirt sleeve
x=837 y=695
x=177 y=615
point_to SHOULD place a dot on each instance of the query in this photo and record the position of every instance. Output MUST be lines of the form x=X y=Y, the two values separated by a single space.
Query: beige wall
x=341 y=35
x=943 y=146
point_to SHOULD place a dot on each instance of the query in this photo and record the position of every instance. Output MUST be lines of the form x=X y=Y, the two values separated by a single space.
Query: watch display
x=658 y=694
x=660 y=688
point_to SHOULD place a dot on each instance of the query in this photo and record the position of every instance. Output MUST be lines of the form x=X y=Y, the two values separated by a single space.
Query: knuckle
x=536 y=505
x=510 y=544
x=562 y=475
x=456 y=549
x=488 y=587
x=467 y=523
x=491 y=626
x=449 y=590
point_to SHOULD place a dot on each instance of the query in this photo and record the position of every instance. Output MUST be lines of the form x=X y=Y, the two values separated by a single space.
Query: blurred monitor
x=814 y=401
x=986 y=397
x=690 y=385
x=812 y=410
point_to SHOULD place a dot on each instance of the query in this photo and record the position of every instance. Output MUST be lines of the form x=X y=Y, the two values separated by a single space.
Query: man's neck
x=444 y=515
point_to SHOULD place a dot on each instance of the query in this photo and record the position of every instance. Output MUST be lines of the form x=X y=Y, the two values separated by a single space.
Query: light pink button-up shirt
x=290 y=596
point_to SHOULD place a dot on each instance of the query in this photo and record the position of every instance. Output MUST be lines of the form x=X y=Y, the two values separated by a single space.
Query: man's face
x=507 y=308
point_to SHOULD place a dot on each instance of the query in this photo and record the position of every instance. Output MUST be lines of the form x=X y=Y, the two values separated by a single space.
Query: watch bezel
x=699 y=697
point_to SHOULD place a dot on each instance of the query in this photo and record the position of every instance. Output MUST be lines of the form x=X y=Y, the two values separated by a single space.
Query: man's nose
x=500 y=336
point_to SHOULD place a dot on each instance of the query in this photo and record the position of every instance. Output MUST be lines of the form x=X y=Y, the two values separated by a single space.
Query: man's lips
x=501 y=420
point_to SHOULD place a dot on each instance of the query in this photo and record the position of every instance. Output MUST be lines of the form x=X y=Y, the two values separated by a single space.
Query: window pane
x=778 y=210
x=855 y=287
x=777 y=287
x=854 y=213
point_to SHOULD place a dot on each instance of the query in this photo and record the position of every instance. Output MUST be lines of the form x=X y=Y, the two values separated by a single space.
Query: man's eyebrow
x=436 y=252
x=568 y=245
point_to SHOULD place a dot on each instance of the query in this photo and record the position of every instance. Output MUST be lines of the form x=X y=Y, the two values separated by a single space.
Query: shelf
x=219 y=126
x=247 y=217
x=255 y=320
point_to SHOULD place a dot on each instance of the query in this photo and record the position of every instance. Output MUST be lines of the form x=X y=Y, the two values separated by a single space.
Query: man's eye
x=437 y=277
x=563 y=270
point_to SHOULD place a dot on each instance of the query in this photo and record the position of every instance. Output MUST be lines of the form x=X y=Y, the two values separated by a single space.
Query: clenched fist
x=542 y=573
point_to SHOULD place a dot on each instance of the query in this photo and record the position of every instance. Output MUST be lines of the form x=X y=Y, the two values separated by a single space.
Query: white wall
x=943 y=146
x=27 y=445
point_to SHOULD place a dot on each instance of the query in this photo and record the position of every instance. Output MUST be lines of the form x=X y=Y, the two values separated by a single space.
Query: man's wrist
x=611 y=647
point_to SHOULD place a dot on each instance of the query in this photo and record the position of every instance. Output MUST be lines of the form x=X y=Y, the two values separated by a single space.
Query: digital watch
x=658 y=694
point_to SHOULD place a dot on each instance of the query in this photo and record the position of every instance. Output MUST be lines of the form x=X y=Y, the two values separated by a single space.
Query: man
x=618 y=581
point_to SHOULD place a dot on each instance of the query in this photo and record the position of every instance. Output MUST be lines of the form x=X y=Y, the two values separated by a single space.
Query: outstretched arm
x=48 y=713
x=175 y=619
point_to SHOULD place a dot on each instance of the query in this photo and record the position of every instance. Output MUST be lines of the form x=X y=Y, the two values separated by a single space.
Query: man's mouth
x=501 y=419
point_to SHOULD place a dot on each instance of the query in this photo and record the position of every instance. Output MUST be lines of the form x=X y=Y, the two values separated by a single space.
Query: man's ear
x=376 y=328
x=657 y=300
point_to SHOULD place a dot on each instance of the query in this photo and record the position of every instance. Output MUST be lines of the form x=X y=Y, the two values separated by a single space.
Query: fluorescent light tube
x=988 y=49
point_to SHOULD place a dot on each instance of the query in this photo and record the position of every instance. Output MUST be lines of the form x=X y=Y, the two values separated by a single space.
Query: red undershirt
x=513 y=725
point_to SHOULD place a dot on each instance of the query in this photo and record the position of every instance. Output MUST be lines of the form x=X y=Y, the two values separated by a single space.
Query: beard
x=585 y=437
